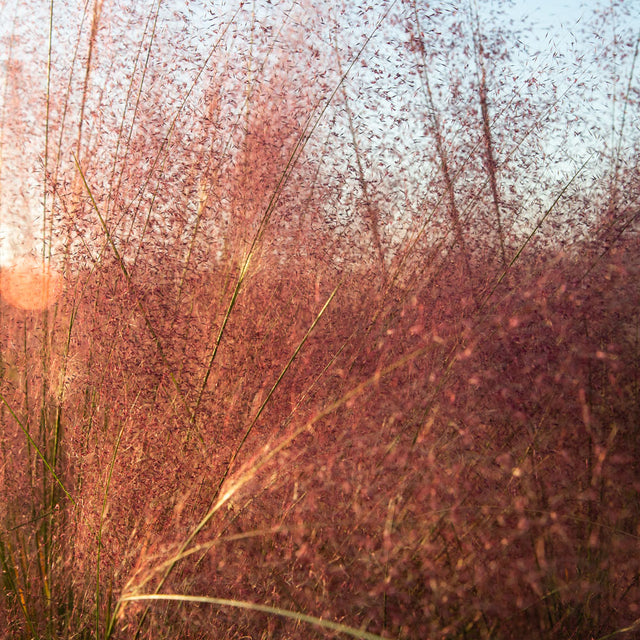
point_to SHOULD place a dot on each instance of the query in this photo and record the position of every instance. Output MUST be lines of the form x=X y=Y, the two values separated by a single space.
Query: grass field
x=330 y=325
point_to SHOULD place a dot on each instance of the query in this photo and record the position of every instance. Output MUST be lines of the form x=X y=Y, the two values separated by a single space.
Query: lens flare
x=30 y=285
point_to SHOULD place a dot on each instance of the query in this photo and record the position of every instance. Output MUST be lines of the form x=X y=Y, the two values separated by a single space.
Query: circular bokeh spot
x=30 y=285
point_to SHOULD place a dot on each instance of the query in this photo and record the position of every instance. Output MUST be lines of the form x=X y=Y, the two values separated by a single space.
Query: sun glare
x=28 y=284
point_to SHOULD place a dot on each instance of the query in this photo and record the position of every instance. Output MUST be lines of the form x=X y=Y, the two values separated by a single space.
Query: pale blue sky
x=565 y=16
x=547 y=26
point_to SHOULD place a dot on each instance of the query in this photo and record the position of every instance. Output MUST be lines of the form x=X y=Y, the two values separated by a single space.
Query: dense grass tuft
x=345 y=332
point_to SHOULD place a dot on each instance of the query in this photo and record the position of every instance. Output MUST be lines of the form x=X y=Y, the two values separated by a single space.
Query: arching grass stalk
x=235 y=484
x=216 y=501
x=252 y=606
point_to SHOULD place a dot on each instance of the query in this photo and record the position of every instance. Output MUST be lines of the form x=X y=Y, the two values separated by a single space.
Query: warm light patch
x=30 y=285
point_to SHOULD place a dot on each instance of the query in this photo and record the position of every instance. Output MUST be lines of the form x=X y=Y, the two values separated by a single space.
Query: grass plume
x=345 y=338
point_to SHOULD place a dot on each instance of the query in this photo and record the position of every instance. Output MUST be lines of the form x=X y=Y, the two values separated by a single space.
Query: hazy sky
x=563 y=16
x=558 y=26
x=566 y=10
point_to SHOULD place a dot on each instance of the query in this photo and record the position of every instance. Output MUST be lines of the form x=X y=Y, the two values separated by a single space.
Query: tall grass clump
x=345 y=332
